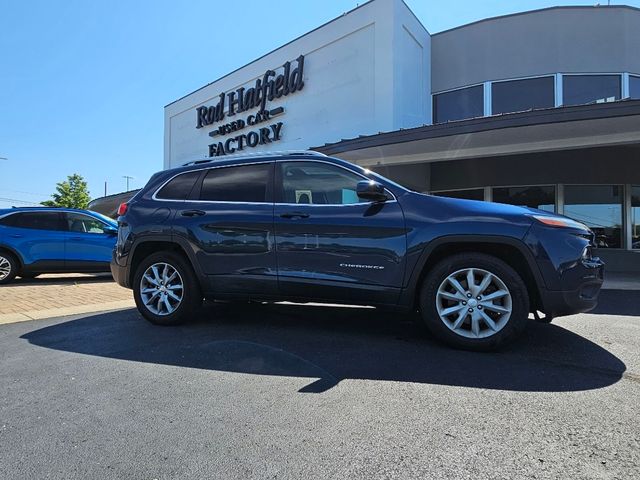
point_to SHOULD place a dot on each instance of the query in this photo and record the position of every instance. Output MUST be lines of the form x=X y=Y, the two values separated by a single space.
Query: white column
x=558 y=89
x=560 y=199
x=625 y=85
x=626 y=222
x=488 y=194
x=487 y=99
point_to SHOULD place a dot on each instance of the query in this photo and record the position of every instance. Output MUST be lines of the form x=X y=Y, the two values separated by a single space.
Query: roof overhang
x=562 y=128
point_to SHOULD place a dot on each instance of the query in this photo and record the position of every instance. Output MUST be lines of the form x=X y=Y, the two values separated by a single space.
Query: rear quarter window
x=179 y=188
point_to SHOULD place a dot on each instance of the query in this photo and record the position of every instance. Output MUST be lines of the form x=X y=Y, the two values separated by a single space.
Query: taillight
x=122 y=209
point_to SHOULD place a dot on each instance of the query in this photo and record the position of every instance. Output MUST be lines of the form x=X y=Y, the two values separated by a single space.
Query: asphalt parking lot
x=283 y=391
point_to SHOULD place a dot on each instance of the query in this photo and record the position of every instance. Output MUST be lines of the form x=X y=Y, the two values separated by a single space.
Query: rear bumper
x=120 y=272
x=581 y=299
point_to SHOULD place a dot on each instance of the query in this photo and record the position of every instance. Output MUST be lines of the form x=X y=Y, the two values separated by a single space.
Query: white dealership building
x=535 y=108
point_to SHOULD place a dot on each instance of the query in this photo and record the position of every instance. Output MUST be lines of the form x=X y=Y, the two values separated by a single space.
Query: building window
x=634 y=86
x=542 y=197
x=472 y=194
x=521 y=95
x=599 y=207
x=635 y=216
x=458 y=104
x=581 y=89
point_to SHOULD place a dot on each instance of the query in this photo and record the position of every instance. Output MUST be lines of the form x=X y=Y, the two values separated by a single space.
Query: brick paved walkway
x=56 y=295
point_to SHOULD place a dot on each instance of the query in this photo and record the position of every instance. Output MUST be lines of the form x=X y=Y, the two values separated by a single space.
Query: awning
x=554 y=129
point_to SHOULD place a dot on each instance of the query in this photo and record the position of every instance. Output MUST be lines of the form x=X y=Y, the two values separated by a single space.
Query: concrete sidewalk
x=621 y=281
x=57 y=295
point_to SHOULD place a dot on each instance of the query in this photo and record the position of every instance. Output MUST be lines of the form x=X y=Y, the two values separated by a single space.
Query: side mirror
x=371 y=190
x=110 y=230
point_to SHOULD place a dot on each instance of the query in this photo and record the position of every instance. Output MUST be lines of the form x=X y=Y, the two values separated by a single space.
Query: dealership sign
x=271 y=86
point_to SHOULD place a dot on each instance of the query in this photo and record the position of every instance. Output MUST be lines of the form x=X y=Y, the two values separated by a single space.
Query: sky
x=83 y=83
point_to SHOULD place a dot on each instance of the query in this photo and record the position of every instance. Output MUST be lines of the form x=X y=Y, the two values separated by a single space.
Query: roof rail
x=279 y=153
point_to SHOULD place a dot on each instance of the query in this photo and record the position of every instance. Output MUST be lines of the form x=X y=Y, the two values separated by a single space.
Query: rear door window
x=178 y=188
x=242 y=183
x=35 y=220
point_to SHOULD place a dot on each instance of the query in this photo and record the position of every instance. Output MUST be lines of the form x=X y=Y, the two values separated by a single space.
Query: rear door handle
x=192 y=213
x=294 y=215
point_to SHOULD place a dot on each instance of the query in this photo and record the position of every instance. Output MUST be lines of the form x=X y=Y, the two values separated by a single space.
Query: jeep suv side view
x=306 y=227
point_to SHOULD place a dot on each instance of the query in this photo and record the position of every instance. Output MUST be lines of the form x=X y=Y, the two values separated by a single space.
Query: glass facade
x=521 y=95
x=471 y=194
x=458 y=104
x=581 y=89
x=600 y=208
x=635 y=216
x=542 y=197
x=634 y=86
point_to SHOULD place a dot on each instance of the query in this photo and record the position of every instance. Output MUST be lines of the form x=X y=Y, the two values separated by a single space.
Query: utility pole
x=128 y=178
x=105 y=188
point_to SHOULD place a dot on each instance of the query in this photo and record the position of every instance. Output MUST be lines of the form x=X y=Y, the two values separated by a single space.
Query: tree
x=71 y=193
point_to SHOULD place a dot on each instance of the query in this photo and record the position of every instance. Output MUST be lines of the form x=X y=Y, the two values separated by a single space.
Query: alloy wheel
x=161 y=289
x=5 y=267
x=474 y=303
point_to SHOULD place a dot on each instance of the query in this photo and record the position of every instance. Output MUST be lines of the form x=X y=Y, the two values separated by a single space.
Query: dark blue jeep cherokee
x=306 y=227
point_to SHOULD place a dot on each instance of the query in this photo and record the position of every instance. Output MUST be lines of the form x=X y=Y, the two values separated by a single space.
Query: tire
x=8 y=267
x=150 y=303
x=461 y=322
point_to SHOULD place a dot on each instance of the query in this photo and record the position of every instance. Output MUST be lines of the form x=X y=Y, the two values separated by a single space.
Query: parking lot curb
x=60 y=312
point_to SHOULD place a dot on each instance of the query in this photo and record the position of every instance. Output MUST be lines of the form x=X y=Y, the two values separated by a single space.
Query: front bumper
x=589 y=276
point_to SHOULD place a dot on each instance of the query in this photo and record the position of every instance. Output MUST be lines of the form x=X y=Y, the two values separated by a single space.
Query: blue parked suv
x=54 y=240
x=310 y=228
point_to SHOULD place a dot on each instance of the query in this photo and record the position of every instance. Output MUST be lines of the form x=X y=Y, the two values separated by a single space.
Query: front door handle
x=294 y=215
x=192 y=213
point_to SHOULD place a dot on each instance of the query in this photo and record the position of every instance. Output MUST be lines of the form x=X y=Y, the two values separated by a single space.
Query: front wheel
x=166 y=289
x=474 y=301
x=8 y=267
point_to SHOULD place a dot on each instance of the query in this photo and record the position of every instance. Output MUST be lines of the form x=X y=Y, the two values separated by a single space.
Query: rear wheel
x=166 y=289
x=474 y=301
x=8 y=267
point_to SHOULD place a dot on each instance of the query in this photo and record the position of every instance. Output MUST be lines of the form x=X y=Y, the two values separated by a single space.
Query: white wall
x=364 y=72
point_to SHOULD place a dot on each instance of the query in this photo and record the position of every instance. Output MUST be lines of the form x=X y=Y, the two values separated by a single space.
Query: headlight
x=587 y=253
x=560 y=222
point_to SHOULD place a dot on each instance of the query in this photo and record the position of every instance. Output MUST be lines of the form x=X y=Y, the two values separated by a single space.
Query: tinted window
x=520 y=95
x=600 y=207
x=472 y=194
x=634 y=86
x=244 y=183
x=180 y=187
x=458 y=104
x=34 y=220
x=541 y=197
x=579 y=89
x=77 y=222
x=318 y=184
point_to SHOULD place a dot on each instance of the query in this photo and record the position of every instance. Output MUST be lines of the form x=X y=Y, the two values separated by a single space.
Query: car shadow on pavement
x=329 y=344
x=62 y=279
